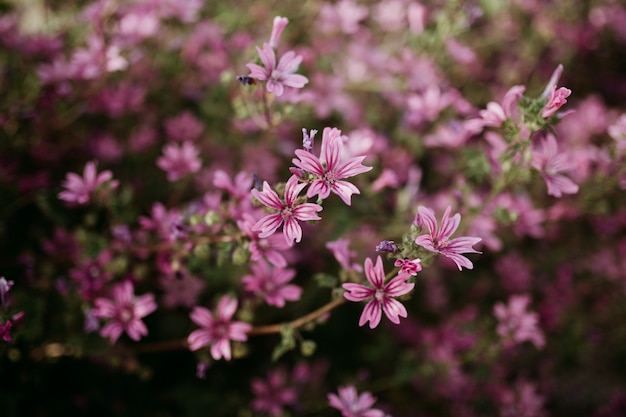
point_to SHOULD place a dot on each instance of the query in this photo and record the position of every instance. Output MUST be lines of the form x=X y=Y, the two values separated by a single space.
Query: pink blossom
x=183 y=291
x=289 y=211
x=552 y=165
x=409 y=266
x=79 y=190
x=516 y=325
x=272 y=284
x=269 y=248
x=351 y=404
x=278 y=76
x=217 y=331
x=345 y=16
x=277 y=30
x=522 y=401
x=343 y=255
x=556 y=97
x=183 y=127
x=380 y=294
x=328 y=171
x=125 y=312
x=438 y=238
x=273 y=395
x=179 y=161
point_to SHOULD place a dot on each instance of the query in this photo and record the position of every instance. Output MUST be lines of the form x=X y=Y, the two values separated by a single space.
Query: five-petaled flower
x=552 y=165
x=125 y=312
x=218 y=331
x=438 y=238
x=289 y=212
x=328 y=170
x=279 y=76
x=351 y=404
x=380 y=295
x=272 y=284
x=79 y=190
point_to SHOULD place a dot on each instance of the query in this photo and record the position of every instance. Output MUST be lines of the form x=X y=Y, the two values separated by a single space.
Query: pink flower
x=78 y=191
x=556 y=98
x=269 y=248
x=516 y=325
x=271 y=284
x=273 y=395
x=438 y=239
x=343 y=254
x=125 y=312
x=280 y=23
x=552 y=165
x=351 y=404
x=408 y=266
x=522 y=401
x=179 y=161
x=328 y=171
x=281 y=76
x=183 y=127
x=217 y=331
x=380 y=295
x=289 y=212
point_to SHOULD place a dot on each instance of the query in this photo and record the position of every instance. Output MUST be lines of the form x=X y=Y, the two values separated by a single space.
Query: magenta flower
x=380 y=295
x=5 y=331
x=289 y=212
x=272 y=284
x=552 y=165
x=438 y=239
x=328 y=170
x=409 y=266
x=125 y=312
x=556 y=97
x=217 y=331
x=351 y=404
x=79 y=190
x=515 y=324
x=269 y=248
x=279 y=76
x=179 y=161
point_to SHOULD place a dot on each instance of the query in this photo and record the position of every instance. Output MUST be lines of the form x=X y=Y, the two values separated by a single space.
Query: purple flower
x=438 y=238
x=179 y=161
x=328 y=170
x=351 y=404
x=387 y=246
x=217 y=331
x=125 y=312
x=516 y=325
x=289 y=212
x=278 y=76
x=5 y=286
x=271 y=284
x=380 y=295
x=79 y=190
x=552 y=165
x=5 y=331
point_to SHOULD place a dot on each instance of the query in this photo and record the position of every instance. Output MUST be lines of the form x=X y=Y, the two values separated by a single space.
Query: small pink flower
x=516 y=325
x=79 y=190
x=179 y=161
x=552 y=165
x=217 y=331
x=380 y=294
x=125 y=312
x=183 y=127
x=328 y=170
x=272 y=284
x=408 y=266
x=438 y=238
x=272 y=395
x=278 y=76
x=556 y=97
x=289 y=212
x=343 y=254
x=351 y=404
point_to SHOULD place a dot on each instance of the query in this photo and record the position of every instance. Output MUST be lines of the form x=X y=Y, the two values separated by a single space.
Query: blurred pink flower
x=269 y=248
x=183 y=291
x=556 y=100
x=522 y=401
x=278 y=76
x=409 y=266
x=516 y=325
x=328 y=171
x=552 y=165
x=344 y=16
x=179 y=161
x=5 y=331
x=351 y=404
x=289 y=212
x=343 y=255
x=272 y=284
x=125 y=312
x=380 y=294
x=217 y=331
x=438 y=238
x=182 y=127
x=272 y=395
x=79 y=190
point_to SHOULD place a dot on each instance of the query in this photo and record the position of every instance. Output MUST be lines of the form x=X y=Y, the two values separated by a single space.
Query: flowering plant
x=176 y=239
